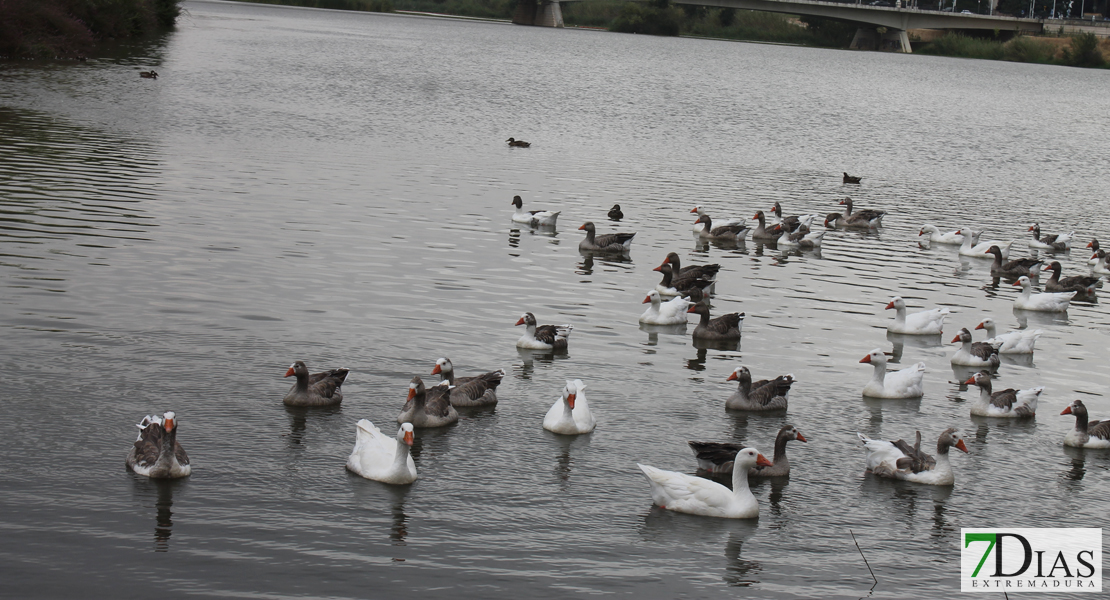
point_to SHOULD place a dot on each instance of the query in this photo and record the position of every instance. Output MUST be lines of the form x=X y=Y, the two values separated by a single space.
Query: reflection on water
x=698 y=362
x=777 y=486
x=739 y=571
x=163 y=527
x=1078 y=459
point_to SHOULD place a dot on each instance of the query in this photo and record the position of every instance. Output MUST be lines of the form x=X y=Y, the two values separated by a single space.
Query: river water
x=335 y=188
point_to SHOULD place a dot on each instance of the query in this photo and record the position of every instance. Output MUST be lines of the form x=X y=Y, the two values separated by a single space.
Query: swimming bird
x=699 y=496
x=1082 y=285
x=570 y=415
x=762 y=232
x=926 y=322
x=1013 y=342
x=615 y=213
x=724 y=327
x=698 y=226
x=377 y=457
x=899 y=460
x=518 y=143
x=981 y=249
x=906 y=383
x=318 y=389
x=1057 y=302
x=156 y=453
x=1057 y=242
x=533 y=218
x=849 y=179
x=477 y=390
x=1013 y=268
x=802 y=238
x=542 y=337
x=151 y=74
x=722 y=233
x=974 y=354
x=428 y=407
x=703 y=271
x=873 y=217
x=609 y=242
x=716 y=457
x=952 y=237
x=1087 y=434
x=672 y=312
x=762 y=395
x=1008 y=403
x=682 y=285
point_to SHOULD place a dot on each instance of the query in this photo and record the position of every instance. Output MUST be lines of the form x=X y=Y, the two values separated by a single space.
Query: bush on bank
x=72 y=28
x=1082 y=50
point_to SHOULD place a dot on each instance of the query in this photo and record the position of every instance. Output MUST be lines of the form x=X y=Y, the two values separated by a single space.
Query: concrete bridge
x=547 y=13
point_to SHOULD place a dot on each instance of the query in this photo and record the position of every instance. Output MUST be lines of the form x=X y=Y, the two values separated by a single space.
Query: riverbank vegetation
x=1080 y=50
x=73 y=28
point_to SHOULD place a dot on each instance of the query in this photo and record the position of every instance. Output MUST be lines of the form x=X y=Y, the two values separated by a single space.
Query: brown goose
x=518 y=143
x=974 y=354
x=682 y=285
x=723 y=233
x=609 y=242
x=870 y=216
x=791 y=224
x=899 y=460
x=703 y=271
x=1083 y=285
x=724 y=327
x=762 y=232
x=318 y=389
x=765 y=394
x=717 y=457
x=849 y=179
x=1057 y=242
x=480 y=390
x=1014 y=268
x=542 y=337
x=156 y=453
x=1087 y=434
x=428 y=408
x=1008 y=403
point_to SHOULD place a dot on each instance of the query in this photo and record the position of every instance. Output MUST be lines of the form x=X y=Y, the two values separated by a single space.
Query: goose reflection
x=739 y=572
x=1036 y=317
x=1078 y=461
x=398 y=527
x=698 y=363
x=1021 y=360
x=163 y=520
x=298 y=421
x=906 y=499
x=653 y=331
x=565 y=446
x=777 y=486
x=893 y=407
x=529 y=357
x=703 y=344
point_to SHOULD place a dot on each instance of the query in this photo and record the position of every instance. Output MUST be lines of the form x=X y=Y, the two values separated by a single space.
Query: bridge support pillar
x=869 y=38
x=541 y=13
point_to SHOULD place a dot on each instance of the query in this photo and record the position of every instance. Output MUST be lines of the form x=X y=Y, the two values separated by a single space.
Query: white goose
x=906 y=383
x=1013 y=342
x=926 y=322
x=533 y=218
x=979 y=250
x=1057 y=242
x=952 y=237
x=1099 y=266
x=699 y=225
x=1026 y=300
x=899 y=460
x=570 y=415
x=1009 y=403
x=672 y=312
x=699 y=496
x=379 y=458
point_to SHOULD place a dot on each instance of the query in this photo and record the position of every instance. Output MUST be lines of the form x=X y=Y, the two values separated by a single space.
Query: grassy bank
x=1080 y=50
x=73 y=28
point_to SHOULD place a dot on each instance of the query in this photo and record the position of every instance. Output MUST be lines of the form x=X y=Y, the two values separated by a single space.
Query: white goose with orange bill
x=542 y=337
x=1011 y=342
x=926 y=322
x=570 y=415
x=974 y=354
x=699 y=496
x=1087 y=433
x=377 y=457
x=1026 y=300
x=1006 y=404
x=980 y=249
x=156 y=453
x=906 y=383
x=717 y=457
x=899 y=460
x=802 y=237
x=672 y=312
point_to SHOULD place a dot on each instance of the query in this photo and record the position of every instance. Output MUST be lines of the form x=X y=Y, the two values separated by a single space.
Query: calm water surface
x=335 y=187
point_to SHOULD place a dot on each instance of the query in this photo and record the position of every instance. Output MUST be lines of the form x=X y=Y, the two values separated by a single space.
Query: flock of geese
x=685 y=290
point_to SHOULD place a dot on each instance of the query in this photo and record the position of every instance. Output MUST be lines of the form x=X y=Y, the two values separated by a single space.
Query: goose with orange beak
x=570 y=415
x=156 y=453
x=1006 y=404
x=899 y=460
x=906 y=383
x=542 y=337
x=672 y=312
x=699 y=496
x=379 y=458
x=317 y=389
x=1087 y=433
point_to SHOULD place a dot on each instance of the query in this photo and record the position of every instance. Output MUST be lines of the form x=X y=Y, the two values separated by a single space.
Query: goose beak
x=692 y=308
x=763 y=462
x=583 y=226
x=436 y=370
x=289 y=372
x=756 y=217
x=646 y=300
x=841 y=202
x=1066 y=411
x=693 y=210
x=409 y=437
x=519 y=322
x=1094 y=256
x=1015 y=283
x=732 y=376
x=666 y=260
x=801 y=438
x=866 y=359
x=570 y=401
x=890 y=306
x=1089 y=244
x=955 y=339
x=960 y=445
x=168 y=425
x=979 y=326
x=412 y=393
x=1030 y=229
x=659 y=268
x=970 y=380
x=922 y=232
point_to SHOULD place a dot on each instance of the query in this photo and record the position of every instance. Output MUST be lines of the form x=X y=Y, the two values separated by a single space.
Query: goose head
x=1056 y=266
x=517 y=202
x=1075 y=408
x=704 y=218
x=875 y=357
x=740 y=374
x=1023 y=281
x=963 y=336
x=792 y=433
x=951 y=439
x=297 y=368
x=846 y=202
x=697 y=209
x=830 y=220
x=995 y=250
x=570 y=392
x=168 y=421
x=896 y=303
x=981 y=379
x=1036 y=229
x=777 y=210
x=589 y=227
x=443 y=365
x=698 y=308
x=405 y=434
x=1093 y=244
x=652 y=297
x=665 y=268
x=759 y=216
x=928 y=229
x=527 y=319
x=986 y=323
x=748 y=458
x=416 y=387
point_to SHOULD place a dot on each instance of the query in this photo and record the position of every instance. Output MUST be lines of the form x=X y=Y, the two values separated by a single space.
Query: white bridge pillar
x=541 y=13
x=869 y=38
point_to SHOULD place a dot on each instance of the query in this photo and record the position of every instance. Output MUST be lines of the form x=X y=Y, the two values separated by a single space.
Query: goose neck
x=302 y=382
x=991 y=330
x=740 y=480
x=879 y=376
x=780 y=448
x=400 y=457
x=166 y=452
x=943 y=464
x=1080 y=421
